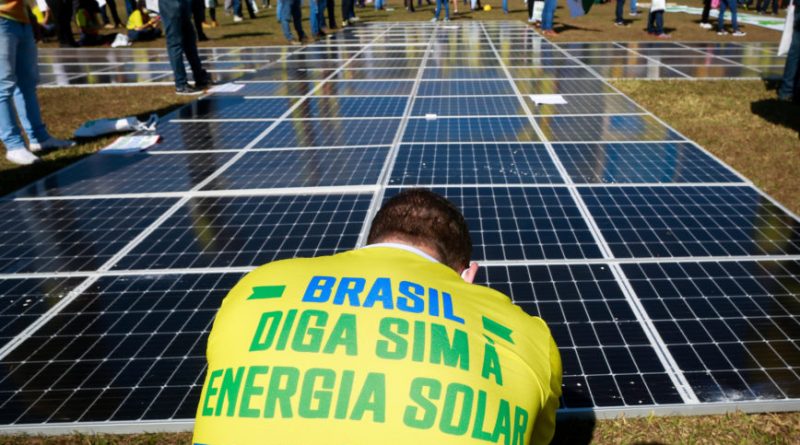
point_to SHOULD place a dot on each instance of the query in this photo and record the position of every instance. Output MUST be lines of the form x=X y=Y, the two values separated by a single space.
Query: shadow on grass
x=243 y=34
x=563 y=27
x=785 y=114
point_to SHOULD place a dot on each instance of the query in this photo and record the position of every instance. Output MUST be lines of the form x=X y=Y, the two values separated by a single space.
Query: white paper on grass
x=227 y=88
x=548 y=99
x=788 y=30
x=127 y=144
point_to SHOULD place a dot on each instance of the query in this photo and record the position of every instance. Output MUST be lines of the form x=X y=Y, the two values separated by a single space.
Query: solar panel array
x=670 y=283
x=610 y=60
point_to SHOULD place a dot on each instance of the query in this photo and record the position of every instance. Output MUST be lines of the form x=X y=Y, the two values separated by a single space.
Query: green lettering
x=345 y=390
x=343 y=334
x=520 y=425
x=418 y=354
x=287 y=329
x=321 y=398
x=452 y=410
x=230 y=390
x=282 y=386
x=387 y=328
x=265 y=331
x=455 y=354
x=251 y=390
x=210 y=391
x=502 y=425
x=314 y=334
x=372 y=398
x=480 y=418
x=491 y=364
x=419 y=386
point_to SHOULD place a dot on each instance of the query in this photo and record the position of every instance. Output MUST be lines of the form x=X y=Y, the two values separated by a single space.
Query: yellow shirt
x=135 y=20
x=376 y=345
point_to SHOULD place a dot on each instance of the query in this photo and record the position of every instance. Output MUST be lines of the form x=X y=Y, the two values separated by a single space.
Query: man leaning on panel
x=390 y=344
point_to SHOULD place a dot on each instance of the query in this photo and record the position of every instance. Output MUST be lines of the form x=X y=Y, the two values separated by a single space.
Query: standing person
x=349 y=12
x=379 y=5
x=618 y=20
x=63 y=11
x=211 y=7
x=181 y=41
x=439 y=10
x=728 y=4
x=533 y=16
x=791 y=75
x=317 y=18
x=634 y=9
x=548 y=14
x=199 y=16
x=655 y=20
x=704 y=22
x=331 y=14
x=409 y=4
x=113 y=8
x=237 y=10
x=390 y=344
x=19 y=74
x=290 y=10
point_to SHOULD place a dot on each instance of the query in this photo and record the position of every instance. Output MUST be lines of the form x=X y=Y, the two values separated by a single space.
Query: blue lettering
x=319 y=289
x=350 y=288
x=381 y=292
x=448 y=308
x=412 y=302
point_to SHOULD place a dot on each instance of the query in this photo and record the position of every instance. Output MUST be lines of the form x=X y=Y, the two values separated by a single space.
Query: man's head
x=424 y=219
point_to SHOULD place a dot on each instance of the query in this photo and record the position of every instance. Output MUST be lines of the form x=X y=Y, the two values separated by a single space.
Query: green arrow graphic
x=266 y=292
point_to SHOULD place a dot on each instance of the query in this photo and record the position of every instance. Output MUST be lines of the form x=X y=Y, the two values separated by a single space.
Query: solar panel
x=669 y=282
x=250 y=231
x=454 y=164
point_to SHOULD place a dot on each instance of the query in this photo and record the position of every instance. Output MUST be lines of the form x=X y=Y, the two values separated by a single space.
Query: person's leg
x=788 y=88
x=633 y=7
x=620 y=7
x=650 y=21
x=530 y=10
x=284 y=15
x=706 y=11
x=130 y=6
x=297 y=18
x=104 y=16
x=734 y=22
x=721 y=18
x=250 y=11
x=775 y=7
x=170 y=18
x=10 y=133
x=320 y=13
x=313 y=18
x=237 y=8
x=190 y=43
x=331 y=14
x=438 y=9
x=134 y=35
x=212 y=14
x=446 y=9
x=112 y=7
x=659 y=22
x=505 y=6
x=198 y=17
x=547 y=15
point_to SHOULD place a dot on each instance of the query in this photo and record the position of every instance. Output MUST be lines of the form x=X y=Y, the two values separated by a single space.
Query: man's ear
x=470 y=272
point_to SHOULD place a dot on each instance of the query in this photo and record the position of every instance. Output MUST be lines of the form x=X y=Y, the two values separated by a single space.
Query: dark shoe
x=68 y=45
x=205 y=83
x=187 y=90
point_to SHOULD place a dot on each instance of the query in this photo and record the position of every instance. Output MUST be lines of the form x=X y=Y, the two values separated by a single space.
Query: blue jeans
x=725 y=4
x=655 y=22
x=633 y=6
x=790 y=77
x=181 y=40
x=446 y=8
x=378 y=4
x=317 y=18
x=237 y=8
x=19 y=74
x=548 y=12
x=620 y=7
x=505 y=6
x=144 y=35
x=290 y=10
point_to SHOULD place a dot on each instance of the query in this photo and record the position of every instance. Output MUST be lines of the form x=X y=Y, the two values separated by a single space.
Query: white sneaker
x=237 y=19
x=51 y=143
x=633 y=14
x=739 y=34
x=706 y=25
x=21 y=156
x=722 y=33
x=434 y=20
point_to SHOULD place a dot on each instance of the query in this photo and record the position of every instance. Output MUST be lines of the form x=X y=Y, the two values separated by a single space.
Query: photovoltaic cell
x=128 y=348
x=606 y=356
x=71 y=235
x=456 y=88
x=234 y=108
x=506 y=129
x=453 y=164
x=469 y=106
x=641 y=162
x=331 y=133
x=266 y=89
x=463 y=73
x=522 y=223
x=648 y=222
x=22 y=301
x=129 y=173
x=588 y=104
x=605 y=128
x=208 y=135
x=345 y=107
x=732 y=327
x=303 y=168
x=383 y=88
x=567 y=86
x=251 y=230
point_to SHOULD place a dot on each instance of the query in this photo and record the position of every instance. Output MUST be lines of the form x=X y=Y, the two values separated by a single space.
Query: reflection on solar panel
x=670 y=283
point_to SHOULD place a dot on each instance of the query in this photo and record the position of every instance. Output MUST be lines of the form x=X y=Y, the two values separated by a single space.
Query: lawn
x=738 y=121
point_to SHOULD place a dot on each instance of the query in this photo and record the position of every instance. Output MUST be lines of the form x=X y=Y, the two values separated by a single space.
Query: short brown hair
x=421 y=217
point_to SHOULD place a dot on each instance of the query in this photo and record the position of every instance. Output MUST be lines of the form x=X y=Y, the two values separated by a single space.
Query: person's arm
x=545 y=425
